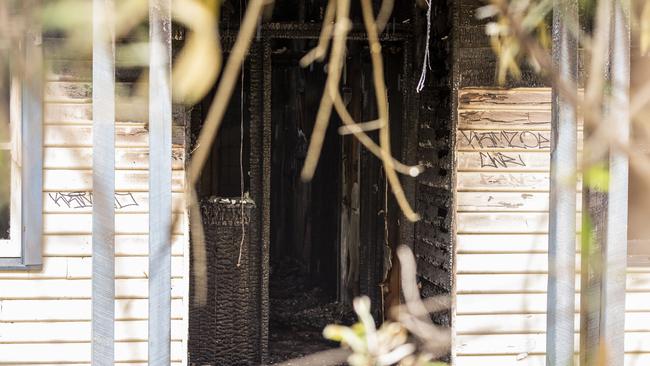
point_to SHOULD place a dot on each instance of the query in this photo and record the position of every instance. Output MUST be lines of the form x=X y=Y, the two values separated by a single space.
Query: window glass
x=5 y=149
x=5 y=192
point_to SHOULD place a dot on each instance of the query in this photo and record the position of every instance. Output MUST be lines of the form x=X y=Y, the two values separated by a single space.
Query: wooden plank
x=631 y=359
x=525 y=98
x=531 y=343
x=160 y=185
x=80 y=289
x=504 y=120
x=133 y=111
x=501 y=243
x=500 y=181
x=81 y=91
x=503 y=344
x=501 y=201
x=532 y=323
x=531 y=283
x=125 y=158
x=131 y=135
x=78 y=331
x=60 y=180
x=80 y=268
x=77 y=310
x=77 y=352
x=129 y=111
x=503 y=161
x=502 y=360
x=503 y=263
x=125 y=245
x=125 y=202
x=496 y=304
x=502 y=222
x=67 y=70
x=83 y=223
x=503 y=140
x=102 y=220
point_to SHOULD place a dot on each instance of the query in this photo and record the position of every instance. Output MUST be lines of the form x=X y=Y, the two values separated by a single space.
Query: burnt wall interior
x=433 y=236
x=303 y=222
x=328 y=235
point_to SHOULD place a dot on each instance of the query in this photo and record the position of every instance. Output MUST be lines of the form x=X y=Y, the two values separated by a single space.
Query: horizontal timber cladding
x=45 y=315
x=502 y=199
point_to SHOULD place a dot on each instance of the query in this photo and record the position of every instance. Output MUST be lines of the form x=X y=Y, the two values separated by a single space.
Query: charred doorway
x=330 y=238
x=307 y=248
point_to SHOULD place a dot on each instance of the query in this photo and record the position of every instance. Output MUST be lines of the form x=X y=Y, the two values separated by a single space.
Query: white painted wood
x=501 y=243
x=78 y=91
x=502 y=222
x=125 y=245
x=80 y=268
x=514 y=98
x=631 y=359
x=82 y=223
x=161 y=163
x=42 y=311
x=128 y=112
x=496 y=304
x=77 y=310
x=502 y=181
x=77 y=352
x=126 y=135
x=125 y=158
x=79 y=289
x=533 y=323
x=125 y=180
x=77 y=331
x=531 y=283
x=125 y=202
x=485 y=161
x=531 y=343
x=503 y=263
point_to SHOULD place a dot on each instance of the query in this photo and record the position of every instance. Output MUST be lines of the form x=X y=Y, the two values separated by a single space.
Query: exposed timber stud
x=615 y=249
x=160 y=187
x=562 y=205
x=103 y=252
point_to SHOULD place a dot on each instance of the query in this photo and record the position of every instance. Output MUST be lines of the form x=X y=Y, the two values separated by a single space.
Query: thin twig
x=382 y=107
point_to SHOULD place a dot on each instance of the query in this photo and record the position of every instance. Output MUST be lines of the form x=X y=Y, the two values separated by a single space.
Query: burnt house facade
x=309 y=248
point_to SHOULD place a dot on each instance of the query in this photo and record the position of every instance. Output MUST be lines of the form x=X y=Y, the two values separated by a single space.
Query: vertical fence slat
x=562 y=205
x=32 y=137
x=103 y=259
x=160 y=202
x=615 y=251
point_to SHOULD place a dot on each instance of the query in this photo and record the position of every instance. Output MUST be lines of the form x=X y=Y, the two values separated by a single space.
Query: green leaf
x=597 y=177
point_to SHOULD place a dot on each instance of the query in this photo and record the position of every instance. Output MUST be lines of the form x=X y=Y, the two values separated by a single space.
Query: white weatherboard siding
x=503 y=143
x=45 y=314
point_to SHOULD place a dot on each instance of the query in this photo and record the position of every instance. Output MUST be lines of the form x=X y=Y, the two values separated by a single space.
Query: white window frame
x=12 y=248
x=23 y=249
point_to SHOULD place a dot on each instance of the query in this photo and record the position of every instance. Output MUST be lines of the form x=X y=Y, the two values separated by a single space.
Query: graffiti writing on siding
x=85 y=199
x=500 y=160
x=529 y=140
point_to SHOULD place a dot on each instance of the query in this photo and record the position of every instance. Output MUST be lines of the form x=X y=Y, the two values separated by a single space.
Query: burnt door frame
x=260 y=63
x=261 y=101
